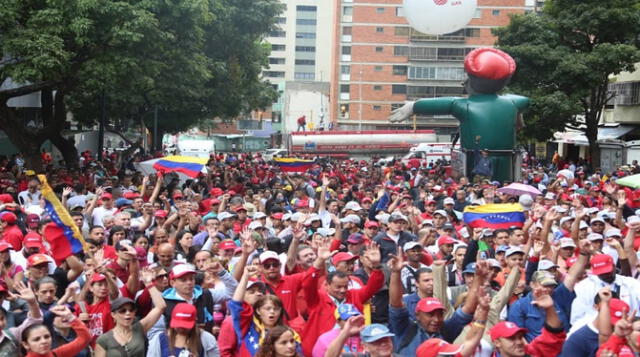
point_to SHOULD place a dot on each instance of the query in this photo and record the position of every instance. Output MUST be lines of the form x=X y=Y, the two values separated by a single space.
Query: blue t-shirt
x=583 y=342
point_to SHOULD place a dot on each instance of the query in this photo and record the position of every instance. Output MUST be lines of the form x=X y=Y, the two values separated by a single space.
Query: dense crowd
x=349 y=258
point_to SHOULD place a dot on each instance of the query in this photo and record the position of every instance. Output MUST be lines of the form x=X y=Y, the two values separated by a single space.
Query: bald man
x=166 y=254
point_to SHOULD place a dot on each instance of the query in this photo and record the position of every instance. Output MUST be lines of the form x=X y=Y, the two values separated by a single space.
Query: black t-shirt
x=60 y=276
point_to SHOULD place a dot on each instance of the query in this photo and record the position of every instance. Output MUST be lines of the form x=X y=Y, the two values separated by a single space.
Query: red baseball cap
x=160 y=213
x=367 y=199
x=32 y=240
x=227 y=244
x=434 y=347
x=9 y=217
x=370 y=224
x=33 y=220
x=428 y=305
x=96 y=277
x=4 y=246
x=37 y=259
x=343 y=257
x=601 y=264
x=277 y=215
x=617 y=308
x=106 y=195
x=446 y=240
x=216 y=191
x=177 y=194
x=180 y=270
x=6 y=198
x=131 y=195
x=505 y=329
x=183 y=316
x=240 y=208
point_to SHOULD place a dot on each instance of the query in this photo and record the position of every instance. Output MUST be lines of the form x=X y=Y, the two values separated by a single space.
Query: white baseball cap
x=351 y=218
x=255 y=224
x=594 y=236
x=225 y=215
x=410 y=245
x=612 y=232
x=546 y=264
x=259 y=215
x=268 y=255
x=567 y=243
x=353 y=206
x=448 y=201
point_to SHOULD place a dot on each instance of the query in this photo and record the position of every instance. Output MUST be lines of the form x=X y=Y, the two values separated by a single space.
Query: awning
x=605 y=133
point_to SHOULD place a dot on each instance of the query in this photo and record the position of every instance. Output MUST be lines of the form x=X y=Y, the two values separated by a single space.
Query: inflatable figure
x=487 y=120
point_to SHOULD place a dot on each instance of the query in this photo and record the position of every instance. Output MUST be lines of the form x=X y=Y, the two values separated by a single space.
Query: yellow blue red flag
x=494 y=216
x=290 y=164
x=62 y=233
x=190 y=166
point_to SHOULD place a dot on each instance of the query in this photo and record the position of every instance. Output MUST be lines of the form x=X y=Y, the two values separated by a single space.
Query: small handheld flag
x=494 y=216
x=289 y=164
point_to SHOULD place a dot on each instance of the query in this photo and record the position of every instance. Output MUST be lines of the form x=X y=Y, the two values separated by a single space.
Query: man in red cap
x=11 y=233
x=603 y=273
x=508 y=338
x=107 y=208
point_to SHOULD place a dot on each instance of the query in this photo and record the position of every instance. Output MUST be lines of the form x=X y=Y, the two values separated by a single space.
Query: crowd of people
x=349 y=258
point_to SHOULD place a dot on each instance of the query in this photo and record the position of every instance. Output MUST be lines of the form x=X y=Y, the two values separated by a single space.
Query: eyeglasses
x=163 y=276
x=271 y=265
x=373 y=228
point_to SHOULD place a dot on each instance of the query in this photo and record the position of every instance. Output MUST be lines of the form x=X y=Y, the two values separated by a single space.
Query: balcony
x=457 y=36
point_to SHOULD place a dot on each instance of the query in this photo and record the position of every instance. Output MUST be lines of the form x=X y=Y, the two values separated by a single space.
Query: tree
x=138 y=54
x=565 y=56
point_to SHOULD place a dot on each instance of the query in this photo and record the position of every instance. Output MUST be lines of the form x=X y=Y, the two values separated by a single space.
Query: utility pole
x=103 y=120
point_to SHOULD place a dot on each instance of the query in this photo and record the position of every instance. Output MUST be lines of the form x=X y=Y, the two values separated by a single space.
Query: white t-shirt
x=100 y=212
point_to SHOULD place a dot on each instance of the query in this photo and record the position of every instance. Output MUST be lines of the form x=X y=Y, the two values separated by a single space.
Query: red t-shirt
x=100 y=320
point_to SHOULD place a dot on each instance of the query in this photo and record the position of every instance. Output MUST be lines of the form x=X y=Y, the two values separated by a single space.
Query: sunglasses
x=271 y=265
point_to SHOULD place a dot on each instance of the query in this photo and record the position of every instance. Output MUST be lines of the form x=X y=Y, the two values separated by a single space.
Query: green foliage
x=194 y=59
x=565 y=56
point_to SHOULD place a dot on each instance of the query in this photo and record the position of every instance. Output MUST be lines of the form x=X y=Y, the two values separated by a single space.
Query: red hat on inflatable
x=489 y=63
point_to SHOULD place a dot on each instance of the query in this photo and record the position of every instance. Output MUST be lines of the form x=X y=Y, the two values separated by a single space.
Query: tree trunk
x=592 y=136
x=67 y=148
x=27 y=140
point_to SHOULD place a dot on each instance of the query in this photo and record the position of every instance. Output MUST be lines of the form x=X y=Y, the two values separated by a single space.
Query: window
x=448 y=91
x=377 y=87
x=278 y=47
x=345 y=88
x=495 y=12
x=346 y=50
x=276 y=60
x=345 y=69
x=423 y=53
x=274 y=74
x=347 y=30
x=277 y=33
x=400 y=70
x=472 y=32
x=398 y=89
x=305 y=35
x=440 y=73
x=395 y=106
x=379 y=49
x=400 y=11
x=402 y=31
x=478 y=14
x=306 y=8
x=451 y=53
x=347 y=11
x=281 y=20
x=305 y=62
x=304 y=75
x=380 y=10
x=377 y=107
x=377 y=68
x=420 y=91
x=305 y=22
x=305 y=49
x=401 y=50
x=379 y=29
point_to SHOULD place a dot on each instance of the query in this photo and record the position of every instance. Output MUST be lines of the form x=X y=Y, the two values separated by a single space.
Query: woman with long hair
x=128 y=337
x=183 y=337
x=280 y=342
x=185 y=250
x=253 y=322
x=36 y=339
x=116 y=234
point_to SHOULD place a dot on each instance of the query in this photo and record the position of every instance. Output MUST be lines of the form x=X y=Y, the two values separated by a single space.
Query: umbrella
x=517 y=189
x=632 y=181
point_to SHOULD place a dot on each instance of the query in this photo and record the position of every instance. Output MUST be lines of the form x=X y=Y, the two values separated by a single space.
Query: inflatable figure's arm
x=432 y=106
x=519 y=101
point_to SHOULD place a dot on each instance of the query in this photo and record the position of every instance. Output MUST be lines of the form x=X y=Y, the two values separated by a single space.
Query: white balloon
x=437 y=17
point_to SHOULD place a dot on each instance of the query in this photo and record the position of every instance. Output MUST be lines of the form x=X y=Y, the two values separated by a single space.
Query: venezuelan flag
x=290 y=164
x=494 y=216
x=190 y=166
x=62 y=234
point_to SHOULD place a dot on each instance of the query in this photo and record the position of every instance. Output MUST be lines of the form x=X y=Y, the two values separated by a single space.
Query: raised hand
x=543 y=301
x=251 y=270
x=62 y=311
x=621 y=197
x=66 y=191
x=214 y=267
x=396 y=263
x=538 y=246
x=605 y=294
x=624 y=326
x=372 y=252
x=249 y=245
x=24 y=292
x=354 y=325
x=324 y=251
x=148 y=276
x=586 y=246
x=325 y=180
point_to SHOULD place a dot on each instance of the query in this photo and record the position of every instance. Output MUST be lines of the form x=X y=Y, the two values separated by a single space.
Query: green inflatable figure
x=487 y=120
